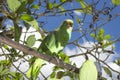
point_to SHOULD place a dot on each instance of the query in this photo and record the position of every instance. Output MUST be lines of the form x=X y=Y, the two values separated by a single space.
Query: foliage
x=36 y=14
x=88 y=71
x=5 y=72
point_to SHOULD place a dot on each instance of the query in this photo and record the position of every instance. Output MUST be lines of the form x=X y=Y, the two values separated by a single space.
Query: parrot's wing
x=48 y=43
x=51 y=43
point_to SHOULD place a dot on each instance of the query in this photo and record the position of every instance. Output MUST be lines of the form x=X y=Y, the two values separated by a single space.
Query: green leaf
x=18 y=31
x=101 y=32
x=107 y=71
x=106 y=37
x=4 y=72
x=100 y=35
x=53 y=74
x=60 y=7
x=31 y=40
x=34 y=70
x=19 y=76
x=4 y=62
x=6 y=47
x=116 y=2
x=30 y=20
x=78 y=20
x=8 y=78
x=30 y=1
x=49 y=5
x=13 y=74
x=93 y=35
x=117 y=61
x=1 y=68
x=63 y=0
x=68 y=73
x=64 y=57
x=14 y=5
x=88 y=71
x=60 y=74
x=86 y=8
x=35 y=6
x=104 y=78
x=22 y=7
x=27 y=17
x=107 y=43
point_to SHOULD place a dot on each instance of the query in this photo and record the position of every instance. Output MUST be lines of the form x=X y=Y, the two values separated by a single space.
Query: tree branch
x=31 y=51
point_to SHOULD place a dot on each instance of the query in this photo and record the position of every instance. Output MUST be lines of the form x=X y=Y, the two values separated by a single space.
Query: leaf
x=88 y=71
x=4 y=72
x=106 y=37
x=60 y=74
x=101 y=32
x=117 y=61
x=53 y=74
x=27 y=17
x=86 y=8
x=1 y=68
x=4 y=62
x=100 y=35
x=30 y=20
x=35 y=6
x=78 y=20
x=13 y=74
x=116 y=2
x=64 y=57
x=104 y=78
x=49 y=5
x=18 y=31
x=6 y=47
x=30 y=40
x=30 y=1
x=13 y=5
x=60 y=7
x=107 y=71
x=22 y=7
x=35 y=68
x=107 y=43
x=63 y=0
x=68 y=73
x=93 y=35
x=8 y=78
x=19 y=76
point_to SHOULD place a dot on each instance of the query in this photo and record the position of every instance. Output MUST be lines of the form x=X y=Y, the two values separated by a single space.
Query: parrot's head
x=66 y=28
x=67 y=25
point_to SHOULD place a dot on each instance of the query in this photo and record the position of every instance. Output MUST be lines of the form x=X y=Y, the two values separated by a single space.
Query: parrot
x=88 y=71
x=52 y=45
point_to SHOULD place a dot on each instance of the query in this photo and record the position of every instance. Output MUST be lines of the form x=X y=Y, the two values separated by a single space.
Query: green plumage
x=52 y=44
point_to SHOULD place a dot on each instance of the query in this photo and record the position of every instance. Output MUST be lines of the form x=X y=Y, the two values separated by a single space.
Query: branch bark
x=31 y=51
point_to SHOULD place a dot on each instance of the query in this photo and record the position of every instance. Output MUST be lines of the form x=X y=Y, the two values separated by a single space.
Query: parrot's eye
x=71 y=24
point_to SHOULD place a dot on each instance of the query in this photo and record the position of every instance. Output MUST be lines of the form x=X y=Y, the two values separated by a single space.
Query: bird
x=52 y=45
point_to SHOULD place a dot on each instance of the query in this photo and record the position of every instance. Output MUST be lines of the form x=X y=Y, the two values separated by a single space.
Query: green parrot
x=52 y=44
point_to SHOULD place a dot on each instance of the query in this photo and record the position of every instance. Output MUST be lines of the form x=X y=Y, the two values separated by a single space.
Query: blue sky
x=112 y=28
